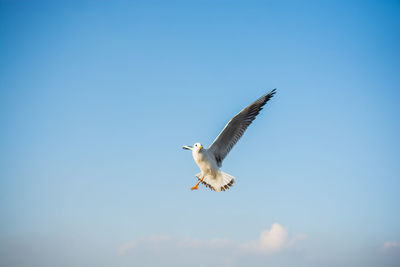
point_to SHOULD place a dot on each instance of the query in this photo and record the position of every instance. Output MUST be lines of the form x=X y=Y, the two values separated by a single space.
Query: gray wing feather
x=235 y=128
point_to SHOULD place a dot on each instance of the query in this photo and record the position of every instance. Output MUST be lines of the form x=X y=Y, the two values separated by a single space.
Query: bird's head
x=196 y=147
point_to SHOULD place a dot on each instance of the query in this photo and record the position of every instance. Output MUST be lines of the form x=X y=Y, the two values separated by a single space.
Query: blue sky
x=97 y=98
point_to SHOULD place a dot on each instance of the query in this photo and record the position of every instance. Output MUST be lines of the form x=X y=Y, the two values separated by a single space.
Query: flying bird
x=210 y=160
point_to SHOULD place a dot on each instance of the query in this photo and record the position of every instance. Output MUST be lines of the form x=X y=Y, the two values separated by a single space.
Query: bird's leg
x=197 y=185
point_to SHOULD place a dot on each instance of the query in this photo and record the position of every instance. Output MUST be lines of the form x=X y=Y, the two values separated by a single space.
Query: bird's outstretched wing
x=235 y=128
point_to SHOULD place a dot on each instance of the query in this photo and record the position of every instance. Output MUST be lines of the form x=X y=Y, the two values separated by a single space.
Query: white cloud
x=198 y=243
x=273 y=240
x=152 y=241
x=391 y=246
x=126 y=247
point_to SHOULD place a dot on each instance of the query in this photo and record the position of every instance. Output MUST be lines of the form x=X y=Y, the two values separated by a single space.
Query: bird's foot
x=195 y=187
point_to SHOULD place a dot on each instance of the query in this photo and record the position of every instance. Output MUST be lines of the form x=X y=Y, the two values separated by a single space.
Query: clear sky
x=98 y=97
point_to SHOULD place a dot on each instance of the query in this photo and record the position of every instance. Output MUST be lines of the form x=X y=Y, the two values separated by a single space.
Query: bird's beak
x=201 y=147
x=187 y=147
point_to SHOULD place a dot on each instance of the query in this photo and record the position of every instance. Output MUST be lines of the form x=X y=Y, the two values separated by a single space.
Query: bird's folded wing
x=235 y=128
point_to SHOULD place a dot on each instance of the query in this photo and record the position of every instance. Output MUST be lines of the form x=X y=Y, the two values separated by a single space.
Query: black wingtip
x=268 y=96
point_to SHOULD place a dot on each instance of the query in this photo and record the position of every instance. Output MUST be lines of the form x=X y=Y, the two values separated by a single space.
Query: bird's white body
x=207 y=164
x=213 y=176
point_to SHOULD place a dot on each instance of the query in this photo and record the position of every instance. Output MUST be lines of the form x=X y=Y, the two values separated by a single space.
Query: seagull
x=210 y=160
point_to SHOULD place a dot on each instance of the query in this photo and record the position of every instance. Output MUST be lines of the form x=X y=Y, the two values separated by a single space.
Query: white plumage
x=209 y=160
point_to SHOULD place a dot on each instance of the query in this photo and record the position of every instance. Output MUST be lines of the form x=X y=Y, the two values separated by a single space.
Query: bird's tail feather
x=221 y=182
